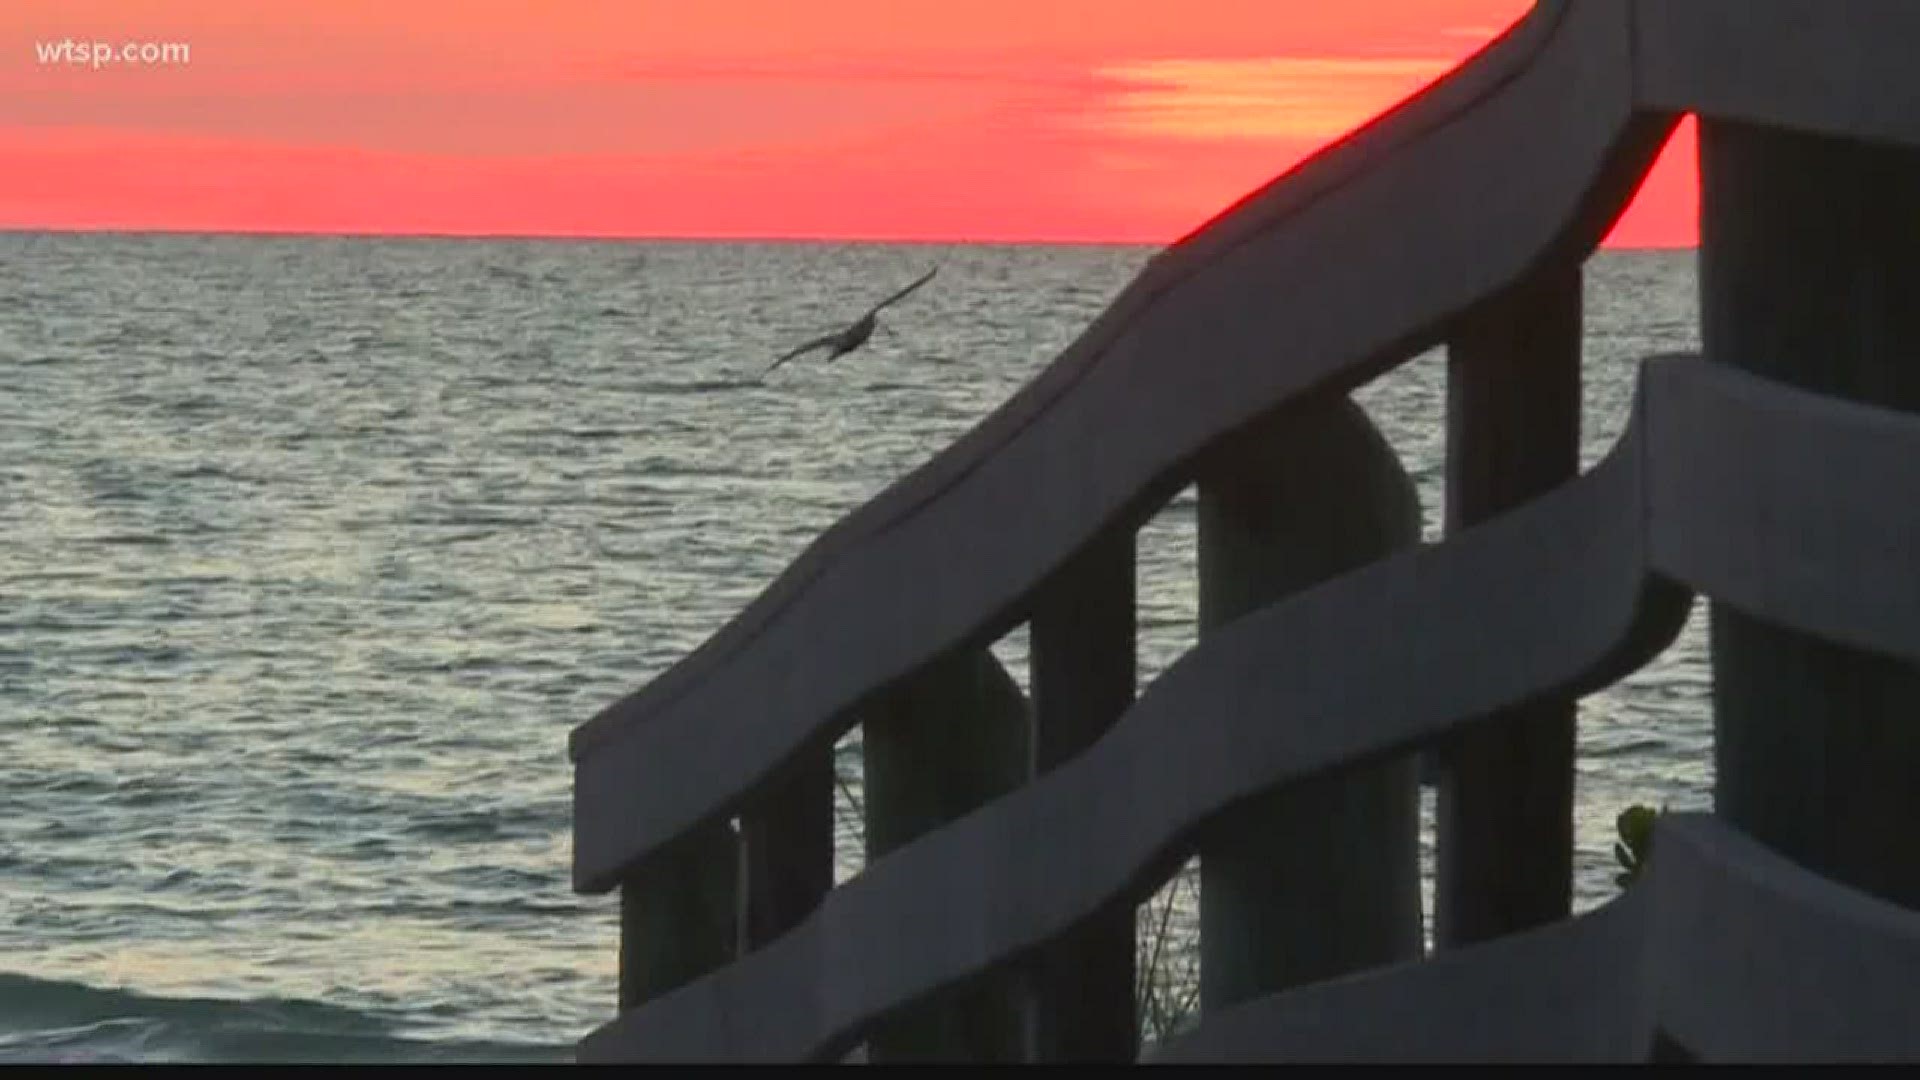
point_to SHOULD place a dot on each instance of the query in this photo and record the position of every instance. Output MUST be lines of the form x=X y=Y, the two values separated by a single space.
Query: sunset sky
x=887 y=119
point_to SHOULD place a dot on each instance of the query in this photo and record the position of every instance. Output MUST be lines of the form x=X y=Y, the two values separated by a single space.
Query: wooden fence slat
x=677 y=915
x=1505 y=845
x=952 y=737
x=1810 y=274
x=1083 y=679
x=786 y=851
x=1320 y=878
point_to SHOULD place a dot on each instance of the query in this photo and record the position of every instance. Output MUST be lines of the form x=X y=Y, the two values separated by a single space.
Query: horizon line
x=652 y=238
x=578 y=237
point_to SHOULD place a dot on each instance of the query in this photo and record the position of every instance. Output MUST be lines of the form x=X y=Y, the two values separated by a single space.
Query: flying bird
x=842 y=342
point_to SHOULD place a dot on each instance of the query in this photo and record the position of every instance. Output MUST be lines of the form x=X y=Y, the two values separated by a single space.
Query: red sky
x=906 y=119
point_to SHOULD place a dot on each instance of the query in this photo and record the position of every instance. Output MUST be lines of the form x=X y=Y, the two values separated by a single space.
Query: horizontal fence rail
x=1564 y=595
x=1460 y=217
x=1723 y=940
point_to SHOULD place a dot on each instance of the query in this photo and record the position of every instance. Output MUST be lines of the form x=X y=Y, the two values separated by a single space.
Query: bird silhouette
x=841 y=342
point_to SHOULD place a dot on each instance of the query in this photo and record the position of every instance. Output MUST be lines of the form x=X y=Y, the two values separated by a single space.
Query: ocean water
x=316 y=549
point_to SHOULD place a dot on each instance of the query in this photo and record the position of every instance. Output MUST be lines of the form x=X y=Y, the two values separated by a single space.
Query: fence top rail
x=1355 y=260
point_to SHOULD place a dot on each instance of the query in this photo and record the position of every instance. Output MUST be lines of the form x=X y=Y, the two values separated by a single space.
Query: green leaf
x=1636 y=828
x=1635 y=846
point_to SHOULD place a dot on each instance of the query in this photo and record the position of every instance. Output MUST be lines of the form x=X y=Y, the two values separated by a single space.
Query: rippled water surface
x=315 y=549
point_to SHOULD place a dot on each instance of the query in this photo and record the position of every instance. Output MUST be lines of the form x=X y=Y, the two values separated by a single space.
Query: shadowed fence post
x=952 y=736
x=1322 y=877
x=677 y=914
x=1810 y=274
x=786 y=850
x=1505 y=850
x=1083 y=676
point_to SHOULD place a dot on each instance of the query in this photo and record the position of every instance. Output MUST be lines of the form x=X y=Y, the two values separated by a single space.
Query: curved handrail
x=1565 y=992
x=1726 y=947
x=953 y=549
x=1525 y=154
x=1294 y=189
x=1563 y=595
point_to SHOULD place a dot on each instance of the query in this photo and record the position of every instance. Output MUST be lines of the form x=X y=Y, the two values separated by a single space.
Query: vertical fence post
x=677 y=914
x=1083 y=679
x=1322 y=877
x=1506 y=784
x=786 y=850
x=949 y=738
x=1810 y=274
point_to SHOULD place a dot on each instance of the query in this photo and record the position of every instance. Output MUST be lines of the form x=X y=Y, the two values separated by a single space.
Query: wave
x=45 y=1020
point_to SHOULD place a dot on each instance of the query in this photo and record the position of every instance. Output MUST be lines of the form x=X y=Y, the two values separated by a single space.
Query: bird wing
x=821 y=342
x=902 y=294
